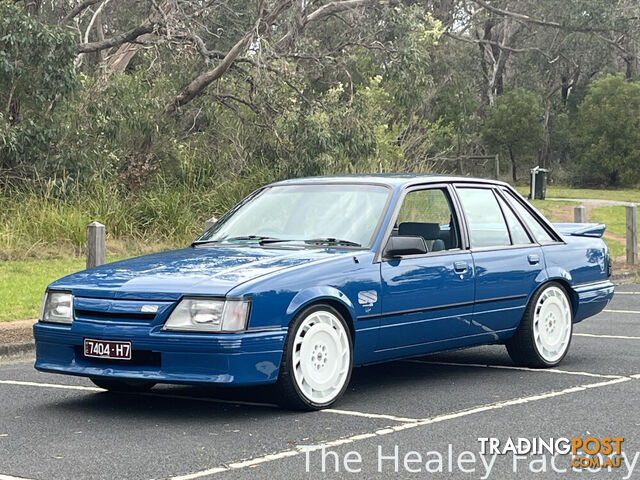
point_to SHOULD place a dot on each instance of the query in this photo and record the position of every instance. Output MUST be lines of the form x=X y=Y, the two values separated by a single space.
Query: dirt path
x=593 y=202
x=18 y=331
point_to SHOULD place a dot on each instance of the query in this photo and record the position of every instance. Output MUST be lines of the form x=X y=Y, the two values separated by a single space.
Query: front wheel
x=122 y=386
x=317 y=360
x=544 y=334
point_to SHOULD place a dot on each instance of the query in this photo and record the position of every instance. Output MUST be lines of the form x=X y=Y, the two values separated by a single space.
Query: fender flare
x=558 y=274
x=316 y=294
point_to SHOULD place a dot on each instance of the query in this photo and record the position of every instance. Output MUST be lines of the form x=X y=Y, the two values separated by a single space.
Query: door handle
x=533 y=259
x=460 y=267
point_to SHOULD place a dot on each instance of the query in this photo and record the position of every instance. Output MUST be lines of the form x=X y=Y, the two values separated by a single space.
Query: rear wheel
x=122 y=386
x=544 y=334
x=317 y=360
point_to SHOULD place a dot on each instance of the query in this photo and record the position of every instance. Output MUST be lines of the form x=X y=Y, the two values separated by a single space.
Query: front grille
x=94 y=315
x=139 y=358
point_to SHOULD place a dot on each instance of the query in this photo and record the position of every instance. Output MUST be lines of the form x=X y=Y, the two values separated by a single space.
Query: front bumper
x=248 y=358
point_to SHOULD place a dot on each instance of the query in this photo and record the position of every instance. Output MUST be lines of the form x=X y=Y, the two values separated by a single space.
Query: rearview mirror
x=405 y=245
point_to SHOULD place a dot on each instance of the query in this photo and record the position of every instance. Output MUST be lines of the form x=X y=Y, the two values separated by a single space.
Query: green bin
x=538 y=185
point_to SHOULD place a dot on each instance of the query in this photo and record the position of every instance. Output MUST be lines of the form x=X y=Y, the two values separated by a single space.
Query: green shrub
x=607 y=135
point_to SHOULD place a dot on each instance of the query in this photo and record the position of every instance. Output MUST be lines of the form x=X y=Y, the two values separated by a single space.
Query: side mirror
x=404 y=245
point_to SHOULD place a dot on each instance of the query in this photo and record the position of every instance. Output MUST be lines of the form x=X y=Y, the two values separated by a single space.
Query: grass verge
x=26 y=235
x=614 y=218
x=22 y=284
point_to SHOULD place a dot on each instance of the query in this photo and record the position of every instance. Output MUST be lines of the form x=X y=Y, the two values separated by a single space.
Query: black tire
x=122 y=386
x=522 y=347
x=288 y=393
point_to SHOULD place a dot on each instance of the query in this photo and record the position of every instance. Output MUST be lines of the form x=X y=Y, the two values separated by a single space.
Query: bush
x=36 y=75
x=513 y=125
x=607 y=135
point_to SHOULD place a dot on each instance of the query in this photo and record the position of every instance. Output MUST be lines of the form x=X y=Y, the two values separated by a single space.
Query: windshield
x=346 y=214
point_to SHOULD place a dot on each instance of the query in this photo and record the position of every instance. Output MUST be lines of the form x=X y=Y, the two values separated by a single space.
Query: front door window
x=428 y=214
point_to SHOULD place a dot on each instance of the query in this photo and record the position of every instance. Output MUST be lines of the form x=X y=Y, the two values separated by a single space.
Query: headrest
x=428 y=231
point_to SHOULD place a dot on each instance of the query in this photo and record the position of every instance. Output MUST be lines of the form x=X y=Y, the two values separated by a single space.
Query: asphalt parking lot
x=56 y=427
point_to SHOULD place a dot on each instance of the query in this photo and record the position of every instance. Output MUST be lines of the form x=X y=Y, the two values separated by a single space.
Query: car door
x=426 y=298
x=508 y=263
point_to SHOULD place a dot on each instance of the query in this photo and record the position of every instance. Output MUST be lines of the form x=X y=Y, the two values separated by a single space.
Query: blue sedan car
x=307 y=278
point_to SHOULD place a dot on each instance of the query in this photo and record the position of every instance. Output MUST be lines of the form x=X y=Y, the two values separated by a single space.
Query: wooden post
x=580 y=214
x=96 y=249
x=209 y=223
x=632 y=234
x=497 y=166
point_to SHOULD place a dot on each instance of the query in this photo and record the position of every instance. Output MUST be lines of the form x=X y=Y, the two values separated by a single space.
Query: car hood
x=202 y=270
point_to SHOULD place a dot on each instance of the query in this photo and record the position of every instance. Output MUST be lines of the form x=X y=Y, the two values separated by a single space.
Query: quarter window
x=487 y=227
x=428 y=214
x=538 y=231
x=518 y=233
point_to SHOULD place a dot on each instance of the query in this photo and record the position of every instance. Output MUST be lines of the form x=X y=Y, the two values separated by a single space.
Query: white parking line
x=371 y=415
x=51 y=385
x=390 y=430
x=9 y=477
x=626 y=293
x=206 y=399
x=148 y=394
x=621 y=311
x=593 y=335
x=513 y=367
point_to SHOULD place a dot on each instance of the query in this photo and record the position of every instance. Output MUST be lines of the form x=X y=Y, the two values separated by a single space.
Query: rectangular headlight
x=57 y=307
x=208 y=315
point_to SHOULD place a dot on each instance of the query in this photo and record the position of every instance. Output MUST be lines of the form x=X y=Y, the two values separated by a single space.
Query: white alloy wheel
x=321 y=357
x=552 y=324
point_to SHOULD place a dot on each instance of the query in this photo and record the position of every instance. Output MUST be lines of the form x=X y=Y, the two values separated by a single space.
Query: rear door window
x=487 y=227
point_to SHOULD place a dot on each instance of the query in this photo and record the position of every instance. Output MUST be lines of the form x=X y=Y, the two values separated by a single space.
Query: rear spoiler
x=581 y=229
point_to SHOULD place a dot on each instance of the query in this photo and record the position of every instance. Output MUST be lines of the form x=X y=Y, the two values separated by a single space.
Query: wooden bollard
x=632 y=234
x=580 y=214
x=96 y=248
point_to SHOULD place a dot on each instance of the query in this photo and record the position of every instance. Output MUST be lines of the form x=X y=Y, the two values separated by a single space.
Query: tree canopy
x=140 y=92
x=608 y=136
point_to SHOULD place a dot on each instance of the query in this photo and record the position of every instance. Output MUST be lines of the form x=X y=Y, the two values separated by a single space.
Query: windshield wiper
x=262 y=240
x=333 y=241
x=317 y=241
x=258 y=238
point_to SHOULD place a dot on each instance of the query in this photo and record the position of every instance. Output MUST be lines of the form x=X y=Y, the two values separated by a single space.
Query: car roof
x=393 y=180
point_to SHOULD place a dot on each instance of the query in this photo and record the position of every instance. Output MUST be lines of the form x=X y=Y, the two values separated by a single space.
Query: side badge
x=367 y=298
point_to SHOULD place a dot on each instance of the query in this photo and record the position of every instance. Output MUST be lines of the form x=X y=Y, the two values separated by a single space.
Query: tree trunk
x=546 y=137
x=119 y=61
x=514 y=174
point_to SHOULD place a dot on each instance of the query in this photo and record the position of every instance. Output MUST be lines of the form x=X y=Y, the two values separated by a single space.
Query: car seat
x=429 y=231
